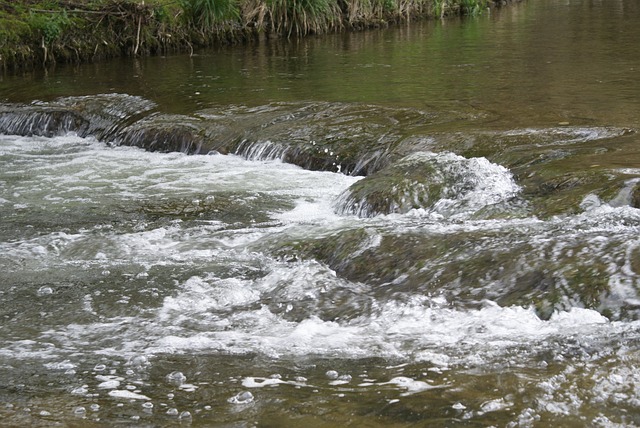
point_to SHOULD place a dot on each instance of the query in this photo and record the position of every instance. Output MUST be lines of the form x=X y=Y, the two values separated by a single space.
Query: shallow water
x=485 y=271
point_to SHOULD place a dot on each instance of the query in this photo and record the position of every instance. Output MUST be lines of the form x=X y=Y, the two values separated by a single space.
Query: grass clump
x=50 y=26
x=303 y=17
x=207 y=15
x=472 y=7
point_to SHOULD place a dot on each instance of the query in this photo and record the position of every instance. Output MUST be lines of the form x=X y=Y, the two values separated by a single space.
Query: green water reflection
x=532 y=64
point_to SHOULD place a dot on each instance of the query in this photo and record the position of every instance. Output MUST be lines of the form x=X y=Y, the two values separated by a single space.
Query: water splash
x=437 y=184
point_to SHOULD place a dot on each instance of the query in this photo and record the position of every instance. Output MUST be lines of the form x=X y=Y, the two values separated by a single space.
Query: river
x=435 y=224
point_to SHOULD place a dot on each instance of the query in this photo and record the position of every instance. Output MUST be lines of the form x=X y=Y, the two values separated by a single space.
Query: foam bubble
x=495 y=405
x=109 y=384
x=255 y=382
x=176 y=378
x=45 y=291
x=80 y=390
x=244 y=397
x=411 y=386
x=332 y=374
x=63 y=365
x=127 y=395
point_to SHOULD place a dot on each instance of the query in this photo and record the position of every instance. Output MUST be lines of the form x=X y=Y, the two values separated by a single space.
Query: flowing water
x=431 y=225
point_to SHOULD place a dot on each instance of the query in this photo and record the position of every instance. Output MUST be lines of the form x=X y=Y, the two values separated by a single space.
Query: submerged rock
x=552 y=191
x=634 y=195
x=251 y=208
x=350 y=138
x=586 y=261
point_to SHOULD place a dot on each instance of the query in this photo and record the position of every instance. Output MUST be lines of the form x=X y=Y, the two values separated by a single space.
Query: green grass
x=206 y=14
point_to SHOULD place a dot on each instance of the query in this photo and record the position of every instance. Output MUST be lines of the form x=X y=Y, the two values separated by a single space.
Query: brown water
x=485 y=272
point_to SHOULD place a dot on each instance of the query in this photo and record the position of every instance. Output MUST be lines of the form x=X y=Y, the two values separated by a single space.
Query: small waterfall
x=351 y=139
x=262 y=150
x=164 y=133
x=443 y=184
x=369 y=163
x=628 y=195
x=30 y=121
x=306 y=155
x=99 y=116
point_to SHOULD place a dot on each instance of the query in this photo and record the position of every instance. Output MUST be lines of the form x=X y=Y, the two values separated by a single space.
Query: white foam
x=420 y=329
x=109 y=384
x=495 y=405
x=200 y=295
x=130 y=173
x=63 y=365
x=244 y=397
x=127 y=395
x=473 y=184
x=439 y=335
x=577 y=317
x=411 y=386
x=261 y=382
x=305 y=212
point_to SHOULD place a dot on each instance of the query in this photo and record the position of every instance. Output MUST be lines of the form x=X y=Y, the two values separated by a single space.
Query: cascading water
x=441 y=185
x=120 y=264
x=366 y=259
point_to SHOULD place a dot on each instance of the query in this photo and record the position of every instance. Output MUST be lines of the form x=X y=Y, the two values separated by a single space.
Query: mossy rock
x=442 y=183
x=408 y=184
x=635 y=196
x=564 y=193
x=543 y=265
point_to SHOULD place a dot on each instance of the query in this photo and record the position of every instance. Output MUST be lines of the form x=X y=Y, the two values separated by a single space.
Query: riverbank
x=39 y=33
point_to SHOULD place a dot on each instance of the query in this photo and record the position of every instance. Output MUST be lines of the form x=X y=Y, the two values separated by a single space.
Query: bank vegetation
x=36 y=33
